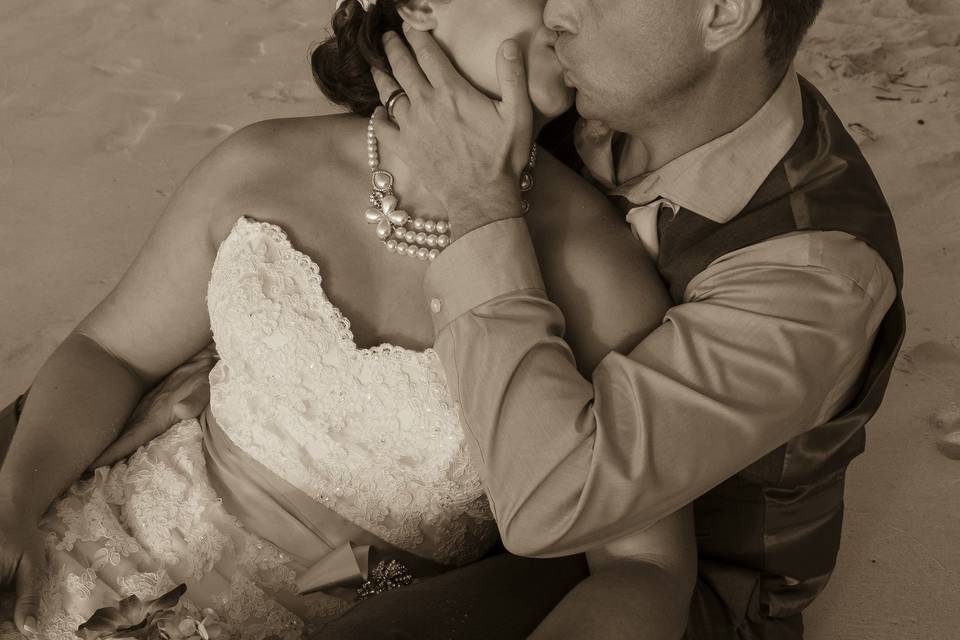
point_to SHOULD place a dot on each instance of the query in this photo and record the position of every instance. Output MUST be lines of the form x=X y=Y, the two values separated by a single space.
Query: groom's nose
x=559 y=16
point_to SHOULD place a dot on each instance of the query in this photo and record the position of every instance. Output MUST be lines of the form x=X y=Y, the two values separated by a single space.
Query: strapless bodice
x=371 y=433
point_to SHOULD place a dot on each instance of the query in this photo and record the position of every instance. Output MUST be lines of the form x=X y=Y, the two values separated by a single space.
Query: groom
x=778 y=249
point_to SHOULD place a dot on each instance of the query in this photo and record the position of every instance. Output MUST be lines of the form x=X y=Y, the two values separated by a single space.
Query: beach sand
x=106 y=104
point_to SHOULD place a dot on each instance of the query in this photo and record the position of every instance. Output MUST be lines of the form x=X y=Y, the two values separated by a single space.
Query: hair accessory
x=402 y=233
x=366 y=4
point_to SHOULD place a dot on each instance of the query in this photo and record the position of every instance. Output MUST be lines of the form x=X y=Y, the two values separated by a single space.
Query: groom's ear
x=727 y=20
x=419 y=14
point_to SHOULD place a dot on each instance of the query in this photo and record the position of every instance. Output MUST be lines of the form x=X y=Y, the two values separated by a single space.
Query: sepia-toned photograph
x=480 y=319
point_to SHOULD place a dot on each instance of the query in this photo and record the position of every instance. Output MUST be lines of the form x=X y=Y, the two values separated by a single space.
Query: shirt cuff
x=487 y=262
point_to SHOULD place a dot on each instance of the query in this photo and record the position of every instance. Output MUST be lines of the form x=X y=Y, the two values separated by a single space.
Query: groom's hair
x=786 y=22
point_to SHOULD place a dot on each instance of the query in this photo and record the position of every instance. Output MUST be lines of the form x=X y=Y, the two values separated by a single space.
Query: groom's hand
x=466 y=148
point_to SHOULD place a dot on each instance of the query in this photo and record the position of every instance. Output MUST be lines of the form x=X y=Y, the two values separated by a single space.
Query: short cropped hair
x=785 y=24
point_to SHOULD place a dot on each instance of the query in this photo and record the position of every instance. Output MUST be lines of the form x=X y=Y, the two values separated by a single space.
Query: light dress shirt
x=768 y=342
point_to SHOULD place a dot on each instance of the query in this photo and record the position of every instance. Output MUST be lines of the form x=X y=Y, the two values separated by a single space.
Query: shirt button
x=436 y=305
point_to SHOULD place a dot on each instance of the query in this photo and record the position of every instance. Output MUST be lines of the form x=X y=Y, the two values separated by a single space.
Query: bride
x=329 y=465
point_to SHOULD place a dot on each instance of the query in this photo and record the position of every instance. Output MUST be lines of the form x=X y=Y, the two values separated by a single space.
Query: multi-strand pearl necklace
x=402 y=233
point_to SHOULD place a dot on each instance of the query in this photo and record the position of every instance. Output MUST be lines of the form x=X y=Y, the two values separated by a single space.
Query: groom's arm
x=769 y=344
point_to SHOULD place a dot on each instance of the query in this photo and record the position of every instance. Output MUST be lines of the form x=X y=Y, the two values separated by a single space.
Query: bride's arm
x=154 y=319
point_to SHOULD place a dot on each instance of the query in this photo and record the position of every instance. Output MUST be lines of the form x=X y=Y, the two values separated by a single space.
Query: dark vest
x=768 y=537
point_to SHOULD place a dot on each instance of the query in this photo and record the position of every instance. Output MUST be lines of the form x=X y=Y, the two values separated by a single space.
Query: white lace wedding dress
x=370 y=433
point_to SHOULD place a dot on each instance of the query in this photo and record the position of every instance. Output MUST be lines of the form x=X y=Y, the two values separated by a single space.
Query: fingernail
x=30 y=625
x=510 y=50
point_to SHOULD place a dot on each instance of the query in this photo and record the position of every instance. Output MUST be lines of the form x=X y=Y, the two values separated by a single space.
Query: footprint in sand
x=287 y=92
x=215 y=130
x=932 y=358
x=119 y=67
x=155 y=98
x=131 y=134
x=936 y=7
x=251 y=47
x=946 y=426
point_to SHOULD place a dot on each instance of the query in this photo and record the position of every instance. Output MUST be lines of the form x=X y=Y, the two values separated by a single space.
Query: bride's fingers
x=122 y=447
x=28 y=591
x=193 y=404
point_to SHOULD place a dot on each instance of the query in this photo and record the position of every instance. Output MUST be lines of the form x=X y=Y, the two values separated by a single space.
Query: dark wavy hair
x=341 y=64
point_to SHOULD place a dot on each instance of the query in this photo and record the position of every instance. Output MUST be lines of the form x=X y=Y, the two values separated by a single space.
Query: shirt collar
x=716 y=180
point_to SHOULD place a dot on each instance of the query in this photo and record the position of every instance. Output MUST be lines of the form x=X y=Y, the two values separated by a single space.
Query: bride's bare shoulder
x=261 y=164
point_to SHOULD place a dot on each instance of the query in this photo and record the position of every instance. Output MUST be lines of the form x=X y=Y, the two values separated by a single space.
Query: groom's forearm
x=568 y=463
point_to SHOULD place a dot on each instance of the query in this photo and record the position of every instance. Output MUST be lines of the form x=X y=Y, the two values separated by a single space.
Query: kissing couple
x=485 y=366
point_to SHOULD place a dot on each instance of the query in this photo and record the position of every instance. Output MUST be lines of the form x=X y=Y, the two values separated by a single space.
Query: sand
x=106 y=104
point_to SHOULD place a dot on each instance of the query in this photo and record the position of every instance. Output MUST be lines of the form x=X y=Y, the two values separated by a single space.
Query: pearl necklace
x=402 y=233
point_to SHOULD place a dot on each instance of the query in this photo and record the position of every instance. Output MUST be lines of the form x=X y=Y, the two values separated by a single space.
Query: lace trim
x=341 y=322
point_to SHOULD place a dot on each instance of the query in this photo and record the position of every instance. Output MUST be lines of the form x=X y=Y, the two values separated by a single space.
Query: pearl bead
x=398 y=218
x=399 y=233
x=421 y=238
x=411 y=250
x=429 y=226
x=418 y=224
x=433 y=254
x=391 y=244
x=443 y=240
x=389 y=204
x=422 y=253
x=401 y=247
x=382 y=180
x=372 y=215
x=410 y=236
x=431 y=240
x=442 y=226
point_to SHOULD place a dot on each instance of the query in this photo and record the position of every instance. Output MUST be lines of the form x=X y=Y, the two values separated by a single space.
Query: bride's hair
x=342 y=63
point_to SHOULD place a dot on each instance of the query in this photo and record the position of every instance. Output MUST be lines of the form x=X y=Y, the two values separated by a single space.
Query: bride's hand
x=22 y=562
x=181 y=395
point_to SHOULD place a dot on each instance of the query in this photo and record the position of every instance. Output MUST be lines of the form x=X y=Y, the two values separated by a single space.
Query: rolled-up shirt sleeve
x=768 y=343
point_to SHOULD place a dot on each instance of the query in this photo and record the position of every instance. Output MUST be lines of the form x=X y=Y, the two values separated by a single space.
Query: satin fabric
x=328 y=552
